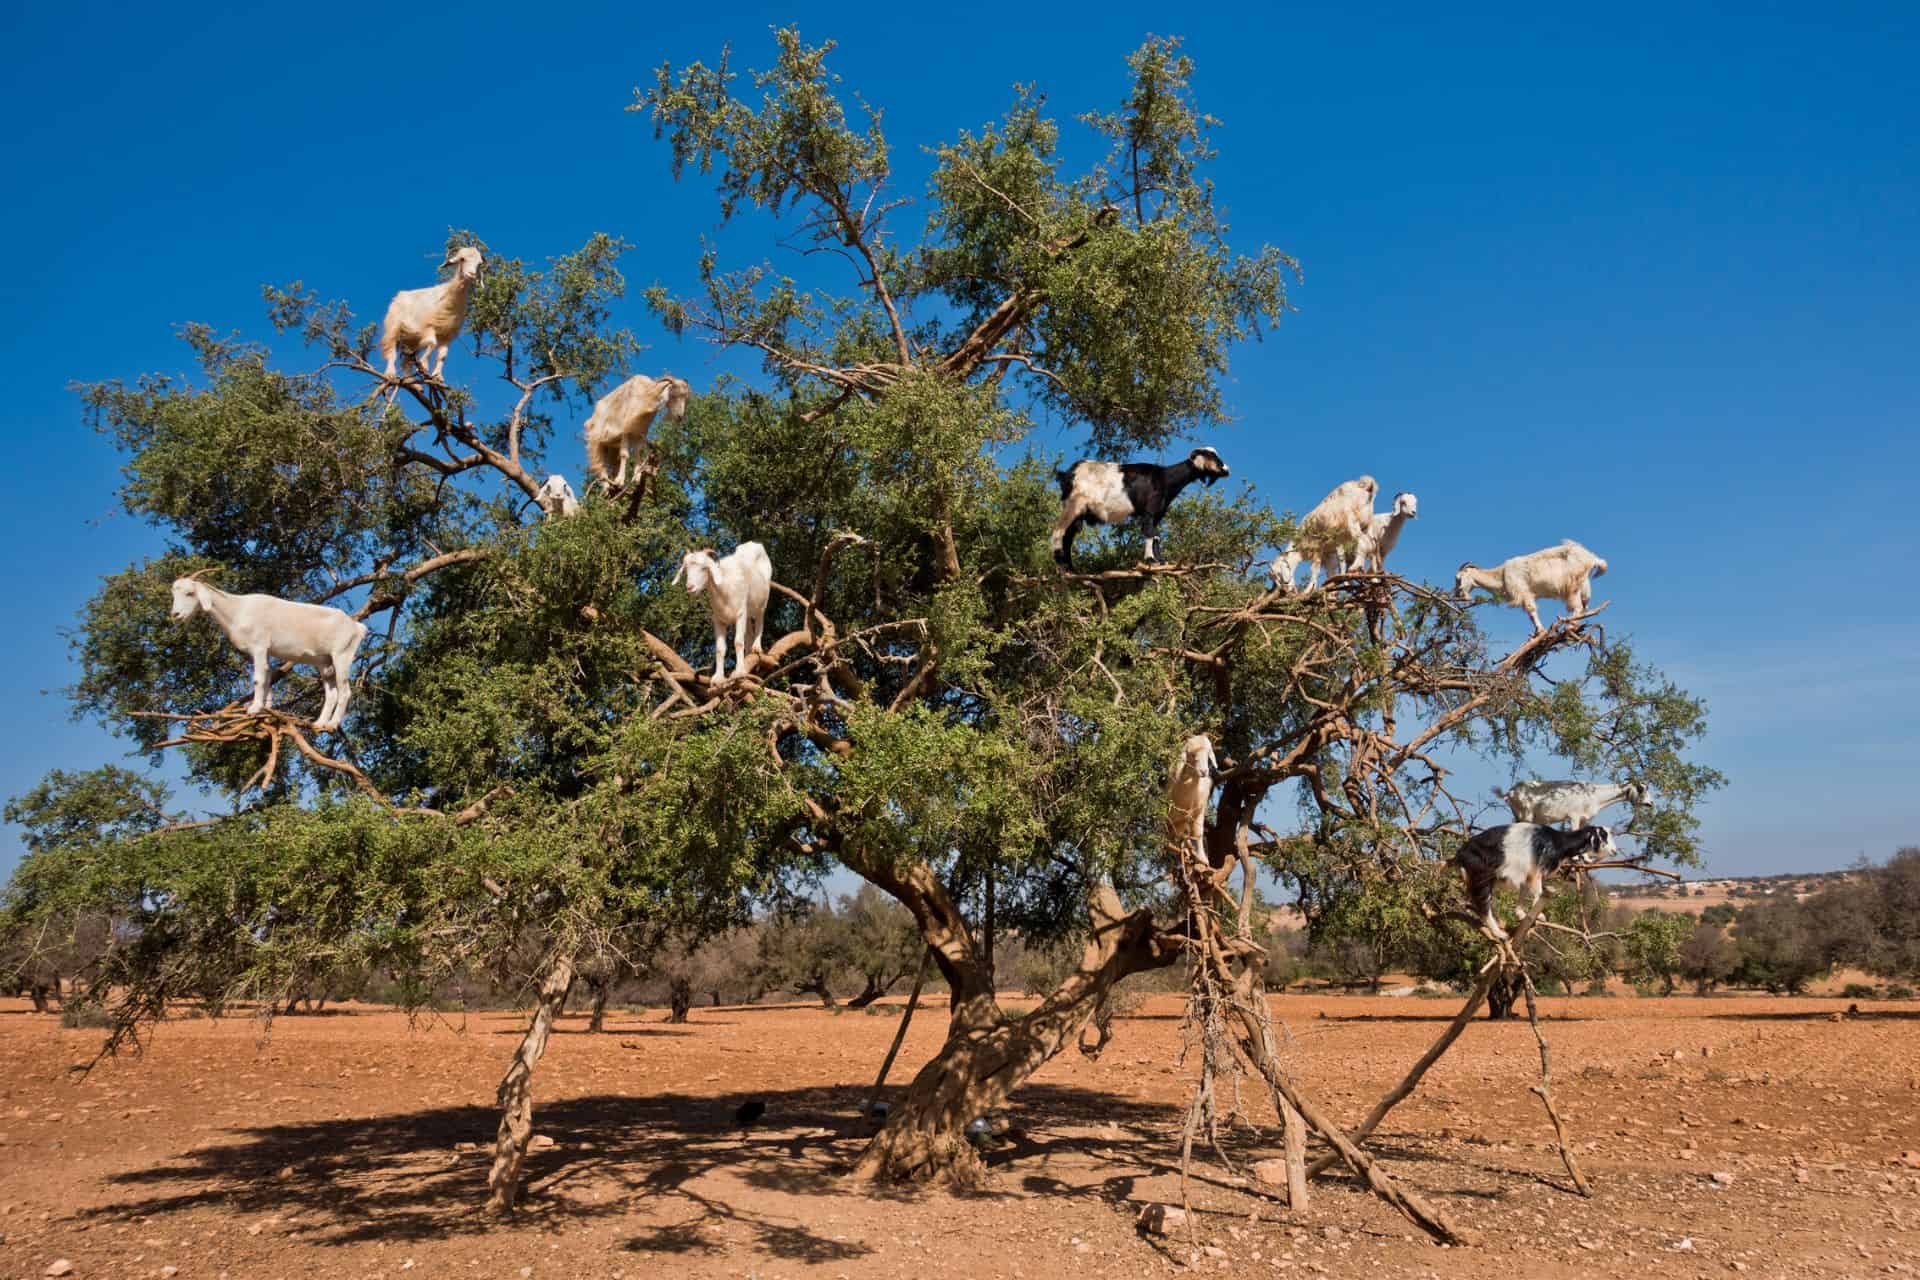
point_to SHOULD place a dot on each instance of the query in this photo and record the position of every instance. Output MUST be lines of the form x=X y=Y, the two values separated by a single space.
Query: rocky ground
x=1723 y=1136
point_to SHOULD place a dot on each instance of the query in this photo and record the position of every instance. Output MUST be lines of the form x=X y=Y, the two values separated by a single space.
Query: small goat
x=1523 y=854
x=737 y=587
x=426 y=321
x=1383 y=531
x=621 y=419
x=556 y=497
x=1562 y=573
x=1575 y=803
x=1116 y=492
x=1189 y=787
x=264 y=627
x=1332 y=536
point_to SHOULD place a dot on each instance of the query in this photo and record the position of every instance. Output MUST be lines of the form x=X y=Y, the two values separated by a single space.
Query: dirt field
x=342 y=1148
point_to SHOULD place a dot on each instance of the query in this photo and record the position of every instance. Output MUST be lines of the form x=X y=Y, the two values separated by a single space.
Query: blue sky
x=1641 y=277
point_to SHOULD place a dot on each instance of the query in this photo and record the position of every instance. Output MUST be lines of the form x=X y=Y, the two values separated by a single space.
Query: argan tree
x=540 y=769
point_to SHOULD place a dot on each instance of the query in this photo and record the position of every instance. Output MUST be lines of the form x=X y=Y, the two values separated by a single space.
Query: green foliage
x=1651 y=949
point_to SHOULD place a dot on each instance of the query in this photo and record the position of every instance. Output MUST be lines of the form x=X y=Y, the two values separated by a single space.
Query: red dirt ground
x=340 y=1148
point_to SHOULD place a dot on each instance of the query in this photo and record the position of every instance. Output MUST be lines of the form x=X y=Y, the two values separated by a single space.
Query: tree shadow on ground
x=1821 y=1015
x=403 y=1177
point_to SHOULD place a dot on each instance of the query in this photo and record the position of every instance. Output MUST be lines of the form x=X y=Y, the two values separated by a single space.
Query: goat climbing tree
x=539 y=776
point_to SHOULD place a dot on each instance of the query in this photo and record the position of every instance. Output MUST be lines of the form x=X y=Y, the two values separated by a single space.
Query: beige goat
x=1564 y=573
x=426 y=321
x=621 y=419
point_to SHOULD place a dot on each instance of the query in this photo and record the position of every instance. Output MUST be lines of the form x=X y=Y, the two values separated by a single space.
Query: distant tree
x=807 y=949
x=883 y=944
x=1720 y=913
x=1708 y=956
x=1778 y=951
x=1652 y=948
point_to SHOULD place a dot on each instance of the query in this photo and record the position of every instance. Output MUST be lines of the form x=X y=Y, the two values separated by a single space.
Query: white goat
x=1331 y=536
x=265 y=627
x=1189 y=787
x=622 y=418
x=1562 y=573
x=1383 y=531
x=556 y=497
x=737 y=587
x=1574 y=803
x=426 y=321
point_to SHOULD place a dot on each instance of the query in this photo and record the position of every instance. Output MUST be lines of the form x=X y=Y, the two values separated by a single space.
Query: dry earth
x=343 y=1147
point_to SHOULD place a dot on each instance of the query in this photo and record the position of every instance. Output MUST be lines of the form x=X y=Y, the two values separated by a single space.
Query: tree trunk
x=988 y=1055
x=986 y=951
x=516 y=1089
x=818 y=986
x=874 y=989
x=679 y=1000
x=38 y=990
x=598 y=1022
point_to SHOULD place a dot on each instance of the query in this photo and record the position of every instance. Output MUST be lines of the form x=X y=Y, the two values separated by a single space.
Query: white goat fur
x=622 y=418
x=264 y=627
x=1189 y=787
x=1563 y=573
x=556 y=497
x=1574 y=803
x=737 y=587
x=428 y=320
x=1331 y=536
x=1383 y=531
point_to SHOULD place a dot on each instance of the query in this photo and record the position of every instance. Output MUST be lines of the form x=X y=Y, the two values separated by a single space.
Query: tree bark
x=598 y=1022
x=988 y=1055
x=516 y=1089
x=679 y=1000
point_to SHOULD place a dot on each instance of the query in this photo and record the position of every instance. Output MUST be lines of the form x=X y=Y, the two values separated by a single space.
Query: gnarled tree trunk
x=987 y=1055
x=516 y=1089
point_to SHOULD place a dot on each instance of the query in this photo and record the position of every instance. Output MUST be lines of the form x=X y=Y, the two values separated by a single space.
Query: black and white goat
x=1523 y=854
x=1115 y=492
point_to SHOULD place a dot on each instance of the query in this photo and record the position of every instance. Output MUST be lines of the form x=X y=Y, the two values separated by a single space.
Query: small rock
x=59 y=1267
x=1161 y=1219
x=466 y=1146
x=55 y=1116
x=1911 y=1159
x=169 y=1271
x=1214 y=1251
x=1802 y=1177
x=539 y=1142
x=1722 y=1178
x=286 y=1172
x=1679 y=1055
x=1271 y=1172
x=1683 y=1245
x=525 y=1272
x=1330 y=1232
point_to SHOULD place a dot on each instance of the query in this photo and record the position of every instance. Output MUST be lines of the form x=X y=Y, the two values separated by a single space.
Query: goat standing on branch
x=737 y=587
x=622 y=418
x=1563 y=573
x=426 y=321
x=1332 y=536
x=1383 y=531
x=264 y=627
x=1575 y=803
x=1523 y=854
x=1116 y=492
x=1189 y=787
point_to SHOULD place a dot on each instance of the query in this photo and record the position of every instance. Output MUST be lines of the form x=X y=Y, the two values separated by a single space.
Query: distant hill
x=1695 y=896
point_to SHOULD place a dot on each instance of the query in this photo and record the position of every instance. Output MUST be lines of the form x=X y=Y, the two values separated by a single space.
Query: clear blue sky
x=1643 y=277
